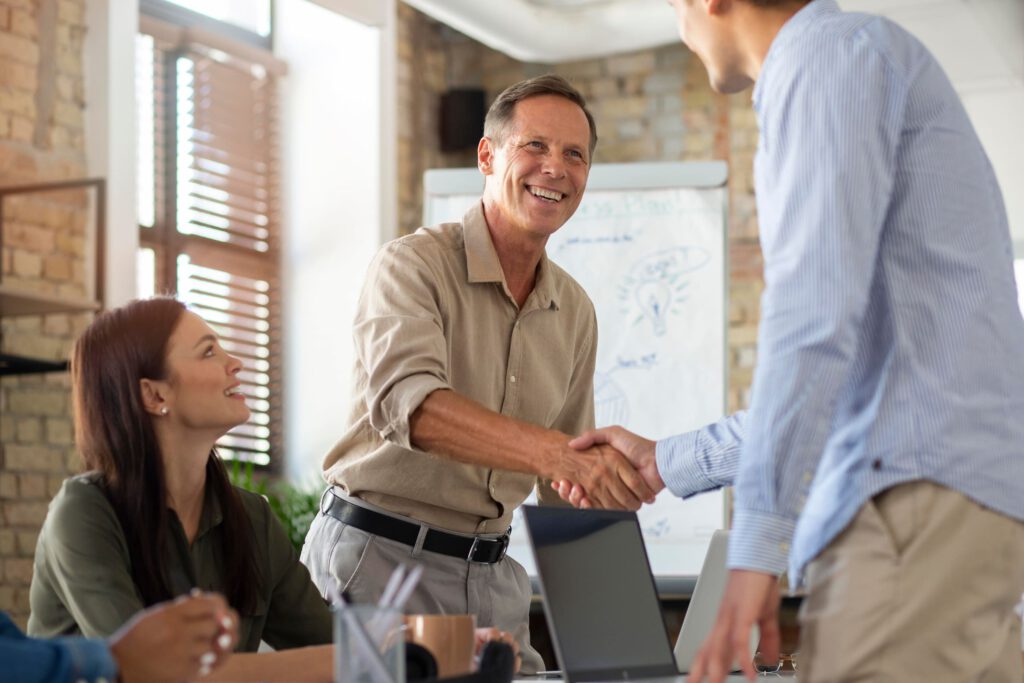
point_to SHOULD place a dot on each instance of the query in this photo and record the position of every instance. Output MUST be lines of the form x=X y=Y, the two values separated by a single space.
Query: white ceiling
x=979 y=42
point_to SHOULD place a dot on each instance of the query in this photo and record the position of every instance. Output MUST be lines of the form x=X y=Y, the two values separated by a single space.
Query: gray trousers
x=498 y=594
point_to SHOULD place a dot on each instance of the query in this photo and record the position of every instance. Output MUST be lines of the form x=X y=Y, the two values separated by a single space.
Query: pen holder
x=369 y=646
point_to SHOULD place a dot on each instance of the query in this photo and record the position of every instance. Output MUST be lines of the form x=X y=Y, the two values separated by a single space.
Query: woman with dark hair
x=156 y=516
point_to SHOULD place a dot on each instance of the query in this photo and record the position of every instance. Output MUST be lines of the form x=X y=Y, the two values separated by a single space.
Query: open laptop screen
x=599 y=595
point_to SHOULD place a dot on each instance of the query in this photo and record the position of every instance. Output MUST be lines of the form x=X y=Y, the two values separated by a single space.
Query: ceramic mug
x=449 y=637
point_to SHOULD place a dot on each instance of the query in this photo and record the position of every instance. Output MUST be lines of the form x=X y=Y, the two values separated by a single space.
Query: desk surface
x=788 y=676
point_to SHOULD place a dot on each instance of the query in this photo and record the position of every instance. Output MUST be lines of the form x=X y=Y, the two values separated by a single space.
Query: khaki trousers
x=920 y=587
x=498 y=594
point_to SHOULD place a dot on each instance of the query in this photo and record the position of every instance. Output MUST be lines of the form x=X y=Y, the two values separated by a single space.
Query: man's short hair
x=502 y=110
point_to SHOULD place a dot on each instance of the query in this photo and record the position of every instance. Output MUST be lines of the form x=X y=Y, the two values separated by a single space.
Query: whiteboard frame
x=444 y=182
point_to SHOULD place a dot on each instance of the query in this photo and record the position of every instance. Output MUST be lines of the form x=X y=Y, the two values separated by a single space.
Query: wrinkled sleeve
x=85 y=564
x=704 y=459
x=832 y=130
x=399 y=339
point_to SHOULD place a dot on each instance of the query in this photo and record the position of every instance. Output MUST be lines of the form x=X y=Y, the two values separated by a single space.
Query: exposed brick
x=71 y=244
x=9 y=490
x=30 y=237
x=44 y=403
x=27 y=543
x=26 y=263
x=23 y=23
x=31 y=486
x=6 y=598
x=57 y=267
x=59 y=432
x=17 y=571
x=637 y=62
x=35 y=458
x=30 y=430
x=57 y=325
x=30 y=514
x=54 y=482
x=70 y=12
x=18 y=76
x=17 y=101
x=68 y=114
x=19 y=49
x=21 y=128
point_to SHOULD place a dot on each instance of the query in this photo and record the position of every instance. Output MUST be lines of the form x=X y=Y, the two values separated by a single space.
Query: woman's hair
x=115 y=436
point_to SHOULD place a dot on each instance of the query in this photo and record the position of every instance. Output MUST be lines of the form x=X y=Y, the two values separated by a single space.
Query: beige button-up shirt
x=435 y=313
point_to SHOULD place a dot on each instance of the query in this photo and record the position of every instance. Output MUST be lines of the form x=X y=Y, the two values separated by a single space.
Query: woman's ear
x=154 y=397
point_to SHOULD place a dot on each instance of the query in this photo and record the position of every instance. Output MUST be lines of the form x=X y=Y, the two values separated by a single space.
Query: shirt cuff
x=405 y=397
x=679 y=467
x=91 y=659
x=759 y=541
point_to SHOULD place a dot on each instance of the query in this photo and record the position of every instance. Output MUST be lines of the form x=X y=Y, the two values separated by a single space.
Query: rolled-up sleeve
x=399 y=339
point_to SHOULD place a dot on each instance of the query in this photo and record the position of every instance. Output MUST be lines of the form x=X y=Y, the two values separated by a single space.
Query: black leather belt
x=469 y=548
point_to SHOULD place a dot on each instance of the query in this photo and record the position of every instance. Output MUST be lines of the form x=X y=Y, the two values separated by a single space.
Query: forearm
x=299 y=665
x=456 y=427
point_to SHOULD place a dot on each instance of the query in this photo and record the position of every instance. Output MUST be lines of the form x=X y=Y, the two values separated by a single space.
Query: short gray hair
x=502 y=110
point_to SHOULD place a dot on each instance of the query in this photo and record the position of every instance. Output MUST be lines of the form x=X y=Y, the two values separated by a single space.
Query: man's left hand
x=750 y=597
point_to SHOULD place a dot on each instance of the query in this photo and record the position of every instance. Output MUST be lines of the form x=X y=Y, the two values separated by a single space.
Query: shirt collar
x=793 y=28
x=482 y=264
x=212 y=514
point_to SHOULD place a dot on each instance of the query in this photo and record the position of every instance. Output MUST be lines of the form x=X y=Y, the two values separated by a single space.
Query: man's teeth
x=231 y=392
x=546 y=194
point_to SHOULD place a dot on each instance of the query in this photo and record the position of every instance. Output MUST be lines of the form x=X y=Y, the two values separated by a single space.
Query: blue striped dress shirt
x=890 y=348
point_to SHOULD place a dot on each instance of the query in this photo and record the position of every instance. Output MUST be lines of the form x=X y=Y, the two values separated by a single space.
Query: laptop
x=600 y=599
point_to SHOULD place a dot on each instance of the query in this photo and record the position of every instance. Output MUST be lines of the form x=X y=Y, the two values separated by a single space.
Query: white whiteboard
x=648 y=245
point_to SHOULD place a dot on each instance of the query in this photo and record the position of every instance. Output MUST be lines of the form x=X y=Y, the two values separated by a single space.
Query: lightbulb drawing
x=657 y=286
x=654 y=298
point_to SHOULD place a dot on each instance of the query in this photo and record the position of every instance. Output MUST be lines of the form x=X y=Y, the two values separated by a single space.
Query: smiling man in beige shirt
x=475 y=362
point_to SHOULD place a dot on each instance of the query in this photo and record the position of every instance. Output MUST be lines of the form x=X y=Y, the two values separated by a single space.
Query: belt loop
x=323 y=498
x=417 y=548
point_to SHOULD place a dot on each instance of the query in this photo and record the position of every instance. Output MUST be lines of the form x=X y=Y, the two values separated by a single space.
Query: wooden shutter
x=216 y=230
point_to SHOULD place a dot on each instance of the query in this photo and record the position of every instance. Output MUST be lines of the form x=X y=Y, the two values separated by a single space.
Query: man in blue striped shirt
x=883 y=452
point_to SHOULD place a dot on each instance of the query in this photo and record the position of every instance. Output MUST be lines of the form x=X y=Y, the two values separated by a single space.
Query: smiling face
x=536 y=172
x=201 y=391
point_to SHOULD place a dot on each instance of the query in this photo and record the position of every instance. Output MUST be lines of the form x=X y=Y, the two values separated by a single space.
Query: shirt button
x=512 y=379
x=876 y=464
x=784 y=547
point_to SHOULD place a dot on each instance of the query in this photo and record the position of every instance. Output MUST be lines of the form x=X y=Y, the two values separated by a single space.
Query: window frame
x=164 y=238
x=164 y=10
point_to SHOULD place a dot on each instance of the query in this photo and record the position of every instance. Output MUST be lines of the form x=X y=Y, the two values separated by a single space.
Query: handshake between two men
x=623 y=471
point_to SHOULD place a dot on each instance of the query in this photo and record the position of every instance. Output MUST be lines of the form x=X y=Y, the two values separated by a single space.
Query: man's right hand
x=175 y=641
x=607 y=477
x=639 y=451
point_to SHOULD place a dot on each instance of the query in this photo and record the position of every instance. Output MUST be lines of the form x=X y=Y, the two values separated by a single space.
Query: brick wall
x=649 y=105
x=44 y=245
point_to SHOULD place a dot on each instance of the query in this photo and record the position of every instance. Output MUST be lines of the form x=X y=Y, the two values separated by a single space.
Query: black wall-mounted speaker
x=462 y=118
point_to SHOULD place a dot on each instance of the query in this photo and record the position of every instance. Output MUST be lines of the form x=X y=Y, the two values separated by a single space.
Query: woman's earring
x=164 y=410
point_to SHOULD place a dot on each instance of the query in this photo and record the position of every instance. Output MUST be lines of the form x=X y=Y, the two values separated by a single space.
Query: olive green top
x=82 y=583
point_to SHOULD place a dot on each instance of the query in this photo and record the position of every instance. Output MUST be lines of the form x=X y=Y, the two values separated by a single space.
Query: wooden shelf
x=22 y=365
x=15 y=300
